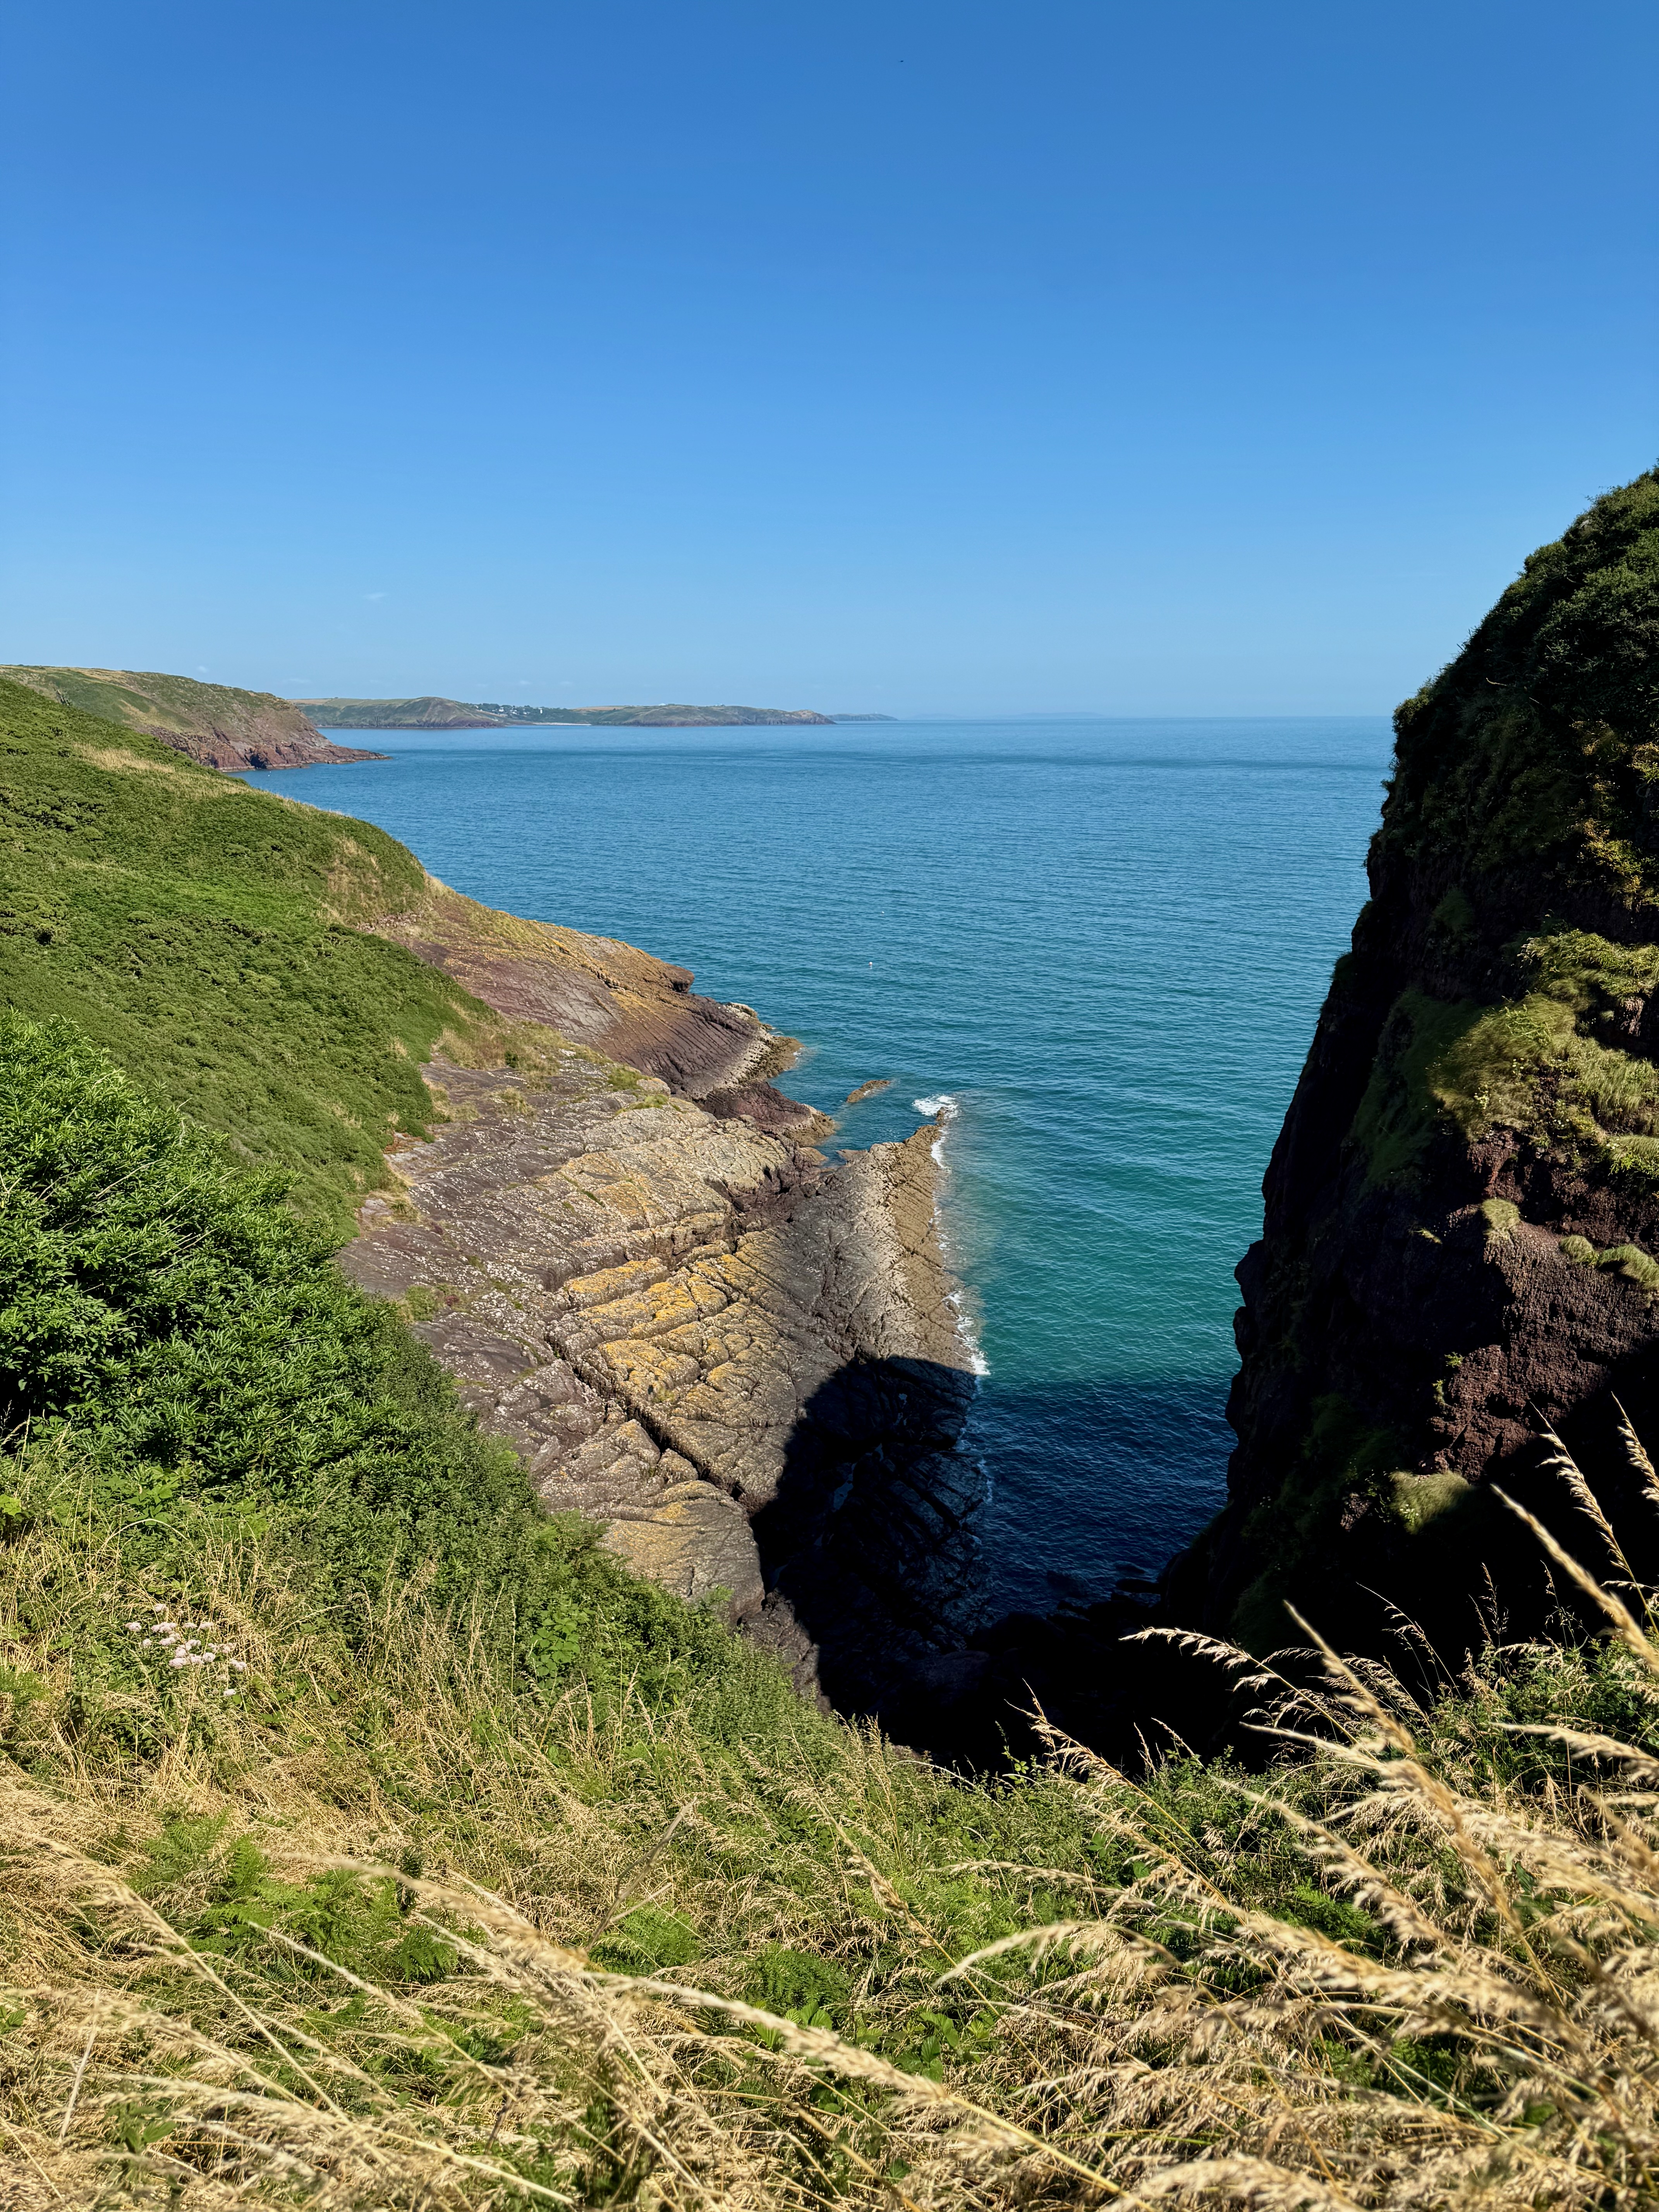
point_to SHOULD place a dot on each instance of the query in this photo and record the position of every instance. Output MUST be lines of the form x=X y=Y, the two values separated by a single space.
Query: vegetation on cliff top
x=1539 y=743
x=370 y=1840
x=150 y=700
x=211 y=938
x=1526 y=790
x=429 y=713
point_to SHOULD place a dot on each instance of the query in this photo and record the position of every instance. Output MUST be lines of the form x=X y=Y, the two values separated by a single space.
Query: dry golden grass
x=1414 y=1965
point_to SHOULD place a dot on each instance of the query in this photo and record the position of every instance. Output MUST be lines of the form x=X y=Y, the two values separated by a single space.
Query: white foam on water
x=944 y=1108
x=978 y=1364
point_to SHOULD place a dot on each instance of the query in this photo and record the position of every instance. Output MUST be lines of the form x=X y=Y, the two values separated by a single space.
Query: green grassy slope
x=148 y=700
x=367 y=1839
x=428 y=712
x=430 y=1859
x=202 y=933
x=1535 y=748
x=453 y=714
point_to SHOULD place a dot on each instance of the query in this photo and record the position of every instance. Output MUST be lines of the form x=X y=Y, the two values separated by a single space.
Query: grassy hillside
x=1536 y=749
x=370 y=1840
x=453 y=714
x=425 y=713
x=151 y=700
x=202 y=933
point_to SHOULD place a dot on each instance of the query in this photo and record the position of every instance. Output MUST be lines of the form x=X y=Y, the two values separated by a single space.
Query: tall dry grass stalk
x=1416 y=1965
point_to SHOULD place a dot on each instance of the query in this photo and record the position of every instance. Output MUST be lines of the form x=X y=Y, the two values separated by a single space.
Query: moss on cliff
x=1489 y=1051
x=1537 y=1063
x=1537 y=743
x=1343 y=1462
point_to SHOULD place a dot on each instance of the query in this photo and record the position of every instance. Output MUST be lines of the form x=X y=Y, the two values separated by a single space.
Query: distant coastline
x=431 y=712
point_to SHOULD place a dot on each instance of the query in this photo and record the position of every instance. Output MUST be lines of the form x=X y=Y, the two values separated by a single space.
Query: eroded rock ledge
x=601 y=992
x=740 y=1356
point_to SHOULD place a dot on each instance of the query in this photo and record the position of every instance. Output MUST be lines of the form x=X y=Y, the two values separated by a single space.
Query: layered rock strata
x=742 y=1360
x=611 y=997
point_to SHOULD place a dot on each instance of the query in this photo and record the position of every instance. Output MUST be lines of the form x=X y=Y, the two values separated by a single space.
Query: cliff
x=211 y=723
x=432 y=714
x=1462 y=1210
x=574 y=1171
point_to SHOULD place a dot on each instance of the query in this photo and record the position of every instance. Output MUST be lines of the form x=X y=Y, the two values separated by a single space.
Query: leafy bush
x=164 y=1309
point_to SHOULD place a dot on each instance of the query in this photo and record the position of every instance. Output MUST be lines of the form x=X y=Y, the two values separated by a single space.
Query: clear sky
x=904 y=354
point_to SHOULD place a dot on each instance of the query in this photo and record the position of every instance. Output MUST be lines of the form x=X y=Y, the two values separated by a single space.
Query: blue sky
x=923 y=357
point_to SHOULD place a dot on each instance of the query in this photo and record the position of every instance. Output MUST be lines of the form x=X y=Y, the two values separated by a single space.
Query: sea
x=1095 y=949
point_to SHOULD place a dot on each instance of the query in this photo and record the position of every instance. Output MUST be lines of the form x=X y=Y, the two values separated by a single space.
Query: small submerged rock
x=869 y=1089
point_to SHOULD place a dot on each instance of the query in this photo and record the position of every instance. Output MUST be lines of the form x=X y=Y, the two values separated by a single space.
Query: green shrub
x=209 y=937
x=164 y=1310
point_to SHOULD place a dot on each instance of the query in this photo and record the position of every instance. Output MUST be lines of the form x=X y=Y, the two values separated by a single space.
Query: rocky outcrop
x=740 y=1358
x=611 y=997
x=211 y=723
x=1461 y=1230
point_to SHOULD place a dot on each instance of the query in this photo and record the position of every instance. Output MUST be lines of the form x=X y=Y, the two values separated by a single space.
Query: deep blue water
x=1105 y=942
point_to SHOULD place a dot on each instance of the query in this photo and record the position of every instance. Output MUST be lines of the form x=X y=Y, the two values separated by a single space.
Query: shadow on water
x=879 y=1538
x=1096 y=1483
x=869 y=1536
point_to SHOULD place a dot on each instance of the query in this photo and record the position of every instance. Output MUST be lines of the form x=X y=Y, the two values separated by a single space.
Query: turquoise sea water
x=1102 y=943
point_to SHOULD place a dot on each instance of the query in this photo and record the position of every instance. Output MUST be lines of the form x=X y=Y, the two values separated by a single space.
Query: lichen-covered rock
x=666 y=1313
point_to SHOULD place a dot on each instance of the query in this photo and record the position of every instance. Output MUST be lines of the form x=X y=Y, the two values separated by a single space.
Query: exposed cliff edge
x=611 y=997
x=212 y=724
x=1461 y=1229
x=691 y=1325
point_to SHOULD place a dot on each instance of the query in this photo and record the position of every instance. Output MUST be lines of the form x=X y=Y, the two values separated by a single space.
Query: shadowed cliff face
x=1461 y=1229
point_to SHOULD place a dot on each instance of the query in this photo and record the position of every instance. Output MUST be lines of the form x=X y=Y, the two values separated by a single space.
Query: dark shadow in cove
x=869 y=1536
x=877 y=1538
x=877 y=1533
x=1097 y=1481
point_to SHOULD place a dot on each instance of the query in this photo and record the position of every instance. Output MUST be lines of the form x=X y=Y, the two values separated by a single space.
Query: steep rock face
x=212 y=724
x=686 y=1325
x=1461 y=1229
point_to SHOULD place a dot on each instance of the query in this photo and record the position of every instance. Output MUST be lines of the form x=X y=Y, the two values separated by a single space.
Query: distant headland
x=432 y=714
x=211 y=723
x=224 y=728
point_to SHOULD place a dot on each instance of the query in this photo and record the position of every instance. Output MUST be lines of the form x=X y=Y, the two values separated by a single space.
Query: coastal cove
x=1098 y=946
